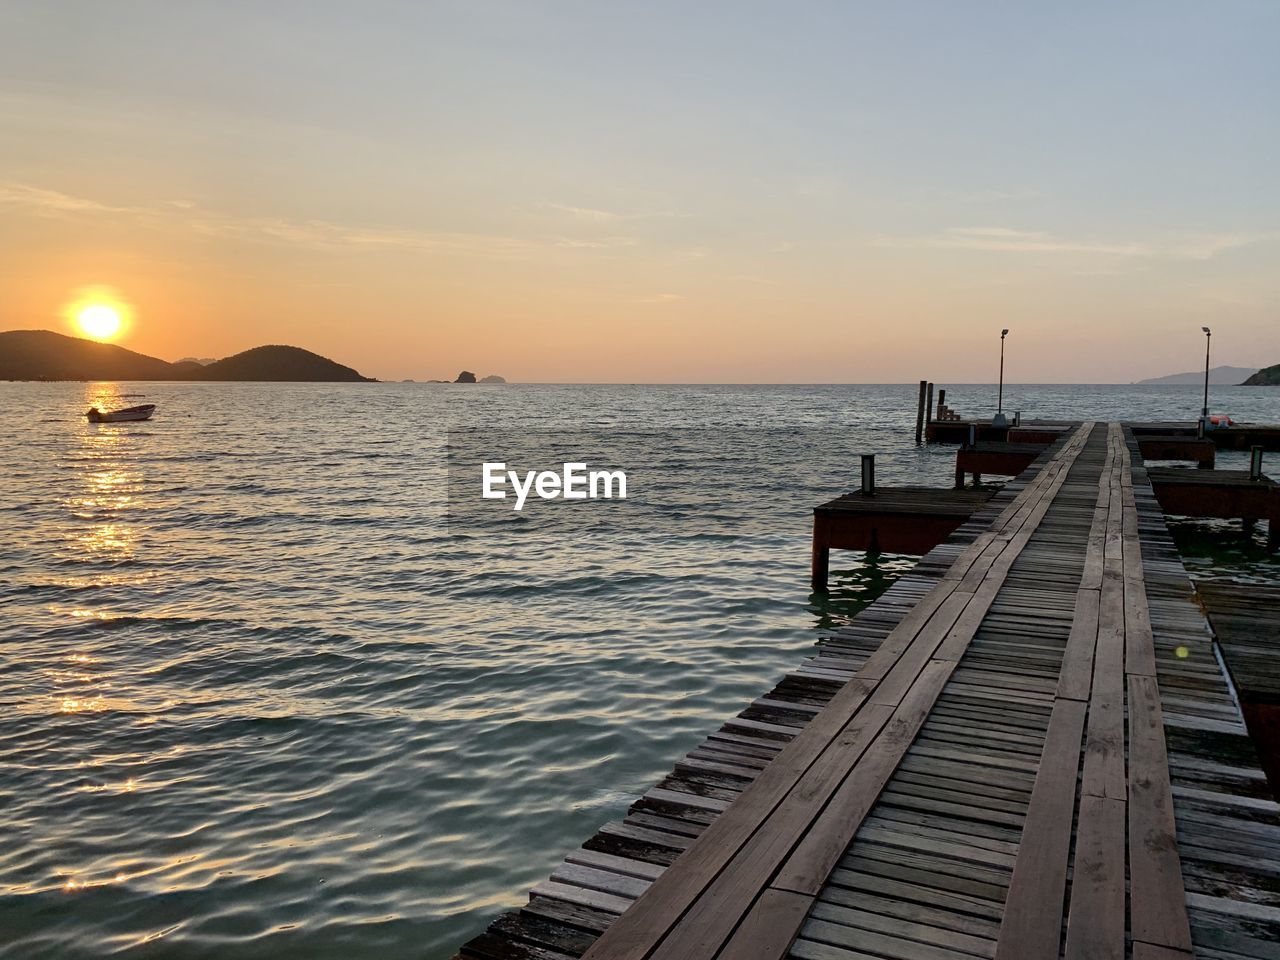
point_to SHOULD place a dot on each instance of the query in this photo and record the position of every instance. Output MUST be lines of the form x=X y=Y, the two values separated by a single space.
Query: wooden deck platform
x=1241 y=436
x=1025 y=749
x=1246 y=623
x=1221 y=494
x=1001 y=459
x=1027 y=431
x=1193 y=449
x=1045 y=434
x=910 y=520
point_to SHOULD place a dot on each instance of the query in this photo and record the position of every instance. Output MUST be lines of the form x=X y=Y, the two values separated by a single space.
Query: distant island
x=466 y=376
x=1221 y=376
x=45 y=355
x=1266 y=377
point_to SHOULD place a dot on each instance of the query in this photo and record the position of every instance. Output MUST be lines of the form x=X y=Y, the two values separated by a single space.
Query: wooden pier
x=910 y=520
x=1246 y=624
x=1200 y=451
x=1025 y=749
x=1241 y=436
x=1221 y=494
x=999 y=459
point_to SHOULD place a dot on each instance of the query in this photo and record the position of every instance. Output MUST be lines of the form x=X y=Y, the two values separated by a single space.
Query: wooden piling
x=821 y=557
x=924 y=384
x=928 y=407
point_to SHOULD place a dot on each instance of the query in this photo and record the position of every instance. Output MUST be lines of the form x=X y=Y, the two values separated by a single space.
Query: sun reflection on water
x=109 y=489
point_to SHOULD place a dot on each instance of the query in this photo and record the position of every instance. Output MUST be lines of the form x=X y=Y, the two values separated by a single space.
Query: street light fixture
x=1000 y=395
x=1205 y=411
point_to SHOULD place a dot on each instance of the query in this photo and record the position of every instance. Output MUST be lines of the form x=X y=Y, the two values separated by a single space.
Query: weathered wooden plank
x=1158 y=913
x=1104 y=773
x=715 y=913
x=769 y=927
x=1076 y=677
x=1095 y=919
x=1148 y=951
x=1033 y=911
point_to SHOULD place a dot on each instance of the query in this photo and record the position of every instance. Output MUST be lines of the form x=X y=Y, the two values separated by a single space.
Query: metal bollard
x=1255 y=463
x=868 y=474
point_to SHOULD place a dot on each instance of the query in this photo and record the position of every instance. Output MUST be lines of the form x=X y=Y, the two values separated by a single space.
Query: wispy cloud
x=188 y=216
x=594 y=215
x=1184 y=246
x=660 y=298
x=592 y=243
x=990 y=196
x=324 y=234
x=52 y=202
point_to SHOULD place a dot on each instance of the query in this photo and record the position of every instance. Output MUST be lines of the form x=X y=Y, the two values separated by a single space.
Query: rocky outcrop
x=1266 y=377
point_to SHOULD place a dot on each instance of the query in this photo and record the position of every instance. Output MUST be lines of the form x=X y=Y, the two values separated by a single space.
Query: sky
x=652 y=192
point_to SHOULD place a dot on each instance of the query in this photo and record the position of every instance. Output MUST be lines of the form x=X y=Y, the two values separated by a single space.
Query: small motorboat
x=125 y=415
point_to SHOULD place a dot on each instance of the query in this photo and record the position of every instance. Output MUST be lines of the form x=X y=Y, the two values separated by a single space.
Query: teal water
x=273 y=688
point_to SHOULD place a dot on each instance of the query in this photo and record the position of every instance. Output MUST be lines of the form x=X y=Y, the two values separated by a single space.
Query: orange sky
x=590 y=195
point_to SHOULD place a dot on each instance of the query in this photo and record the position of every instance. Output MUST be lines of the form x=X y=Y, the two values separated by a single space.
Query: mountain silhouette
x=45 y=355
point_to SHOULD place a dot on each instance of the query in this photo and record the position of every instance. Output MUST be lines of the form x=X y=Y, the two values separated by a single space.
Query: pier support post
x=821 y=557
x=920 y=412
x=928 y=407
x=1255 y=463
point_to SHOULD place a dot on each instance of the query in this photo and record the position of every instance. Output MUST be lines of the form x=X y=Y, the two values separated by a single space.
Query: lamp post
x=1000 y=395
x=1205 y=411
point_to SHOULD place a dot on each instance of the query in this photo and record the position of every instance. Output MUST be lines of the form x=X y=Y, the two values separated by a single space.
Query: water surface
x=268 y=693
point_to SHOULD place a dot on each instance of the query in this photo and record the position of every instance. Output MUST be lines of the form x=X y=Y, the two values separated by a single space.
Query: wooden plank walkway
x=1245 y=618
x=953 y=774
x=1246 y=622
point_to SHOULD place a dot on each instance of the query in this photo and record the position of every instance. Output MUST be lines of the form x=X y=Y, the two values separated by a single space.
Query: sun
x=98 y=313
x=99 y=320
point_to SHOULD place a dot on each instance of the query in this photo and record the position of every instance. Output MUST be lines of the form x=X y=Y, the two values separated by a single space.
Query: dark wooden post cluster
x=924 y=387
x=924 y=408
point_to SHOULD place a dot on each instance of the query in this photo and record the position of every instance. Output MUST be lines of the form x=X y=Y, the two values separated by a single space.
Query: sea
x=279 y=681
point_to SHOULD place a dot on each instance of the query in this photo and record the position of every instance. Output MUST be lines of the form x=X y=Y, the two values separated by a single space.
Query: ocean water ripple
x=274 y=686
